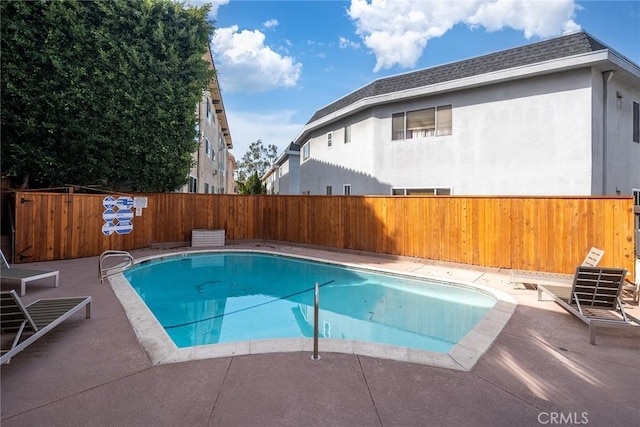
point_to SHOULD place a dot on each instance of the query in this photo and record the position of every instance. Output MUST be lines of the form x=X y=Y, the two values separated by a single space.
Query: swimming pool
x=239 y=302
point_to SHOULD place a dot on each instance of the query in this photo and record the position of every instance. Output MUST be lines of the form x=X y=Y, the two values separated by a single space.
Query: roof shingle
x=560 y=47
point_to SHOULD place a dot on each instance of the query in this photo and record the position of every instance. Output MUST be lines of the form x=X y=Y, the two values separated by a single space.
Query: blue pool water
x=234 y=296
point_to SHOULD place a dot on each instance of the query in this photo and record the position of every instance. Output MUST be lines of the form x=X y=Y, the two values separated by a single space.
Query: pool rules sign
x=117 y=215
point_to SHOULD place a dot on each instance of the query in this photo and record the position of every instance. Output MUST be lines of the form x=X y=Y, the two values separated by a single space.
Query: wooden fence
x=537 y=233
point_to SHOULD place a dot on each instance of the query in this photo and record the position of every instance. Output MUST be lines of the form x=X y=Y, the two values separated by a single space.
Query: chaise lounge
x=594 y=298
x=22 y=276
x=32 y=321
x=592 y=259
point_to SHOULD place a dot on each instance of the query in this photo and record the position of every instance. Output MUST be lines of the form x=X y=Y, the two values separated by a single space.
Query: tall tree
x=253 y=185
x=101 y=92
x=258 y=159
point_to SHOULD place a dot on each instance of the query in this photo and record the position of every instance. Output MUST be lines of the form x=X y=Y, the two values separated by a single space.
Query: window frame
x=306 y=151
x=329 y=139
x=207 y=147
x=347 y=134
x=420 y=123
x=193 y=184
x=346 y=190
x=401 y=133
x=424 y=127
x=636 y=122
x=422 y=191
x=440 y=130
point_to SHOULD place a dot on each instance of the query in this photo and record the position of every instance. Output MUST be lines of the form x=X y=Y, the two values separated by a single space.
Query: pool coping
x=160 y=349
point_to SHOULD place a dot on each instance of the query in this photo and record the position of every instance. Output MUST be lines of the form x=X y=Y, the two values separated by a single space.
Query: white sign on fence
x=117 y=215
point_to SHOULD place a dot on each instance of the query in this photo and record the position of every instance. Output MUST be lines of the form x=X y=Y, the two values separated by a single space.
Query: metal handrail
x=104 y=273
x=316 y=305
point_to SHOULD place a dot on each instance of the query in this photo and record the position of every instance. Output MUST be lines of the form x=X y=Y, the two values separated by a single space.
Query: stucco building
x=557 y=117
x=212 y=171
x=284 y=175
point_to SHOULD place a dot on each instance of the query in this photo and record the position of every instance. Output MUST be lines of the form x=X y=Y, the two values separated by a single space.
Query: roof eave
x=214 y=90
x=601 y=58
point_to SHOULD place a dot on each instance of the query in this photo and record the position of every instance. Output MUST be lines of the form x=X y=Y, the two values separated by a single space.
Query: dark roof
x=569 y=45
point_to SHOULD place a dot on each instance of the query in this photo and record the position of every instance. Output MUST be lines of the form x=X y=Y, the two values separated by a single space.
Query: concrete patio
x=540 y=370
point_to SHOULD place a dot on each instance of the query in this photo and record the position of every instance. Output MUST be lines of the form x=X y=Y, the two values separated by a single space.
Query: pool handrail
x=104 y=273
x=316 y=309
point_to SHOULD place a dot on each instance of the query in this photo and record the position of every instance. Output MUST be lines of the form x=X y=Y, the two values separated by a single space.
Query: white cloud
x=246 y=64
x=274 y=127
x=271 y=23
x=398 y=31
x=344 y=43
x=215 y=4
x=534 y=18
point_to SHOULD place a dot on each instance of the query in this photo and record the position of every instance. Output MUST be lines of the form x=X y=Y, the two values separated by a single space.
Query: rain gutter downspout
x=606 y=78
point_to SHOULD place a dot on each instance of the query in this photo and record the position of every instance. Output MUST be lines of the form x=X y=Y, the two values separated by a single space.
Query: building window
x=636 y=122
x=428 y=191
x=305 y=151
x=347 y=134
x=207 y=147
x=208 y=110
x=197 y=137
x=329 y=139
x=444 y=120
x=193 y=185
x=421 y=123
x=206 y=187
x=435 y=121
x=397 y=126
x=346 y=190
x=329 y=190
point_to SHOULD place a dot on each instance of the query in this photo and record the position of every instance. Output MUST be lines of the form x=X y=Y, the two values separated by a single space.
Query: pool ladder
x=119 y=268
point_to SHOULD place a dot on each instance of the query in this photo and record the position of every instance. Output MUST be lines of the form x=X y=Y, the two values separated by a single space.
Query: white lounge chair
x=16 y=275
x=32 y=321
x=591 y=260
x=594 y=298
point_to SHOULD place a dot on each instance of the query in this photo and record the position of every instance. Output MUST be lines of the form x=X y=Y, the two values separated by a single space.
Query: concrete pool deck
x=540 y=369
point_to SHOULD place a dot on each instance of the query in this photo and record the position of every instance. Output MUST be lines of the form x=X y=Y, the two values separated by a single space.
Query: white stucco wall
x=526 y=137
x=531 y=137
x=343 y=164
x=293 y=174
x=623 y=154
x=287 y=177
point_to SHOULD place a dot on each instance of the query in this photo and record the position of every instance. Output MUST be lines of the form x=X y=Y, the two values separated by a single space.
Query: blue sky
x=280 y=61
